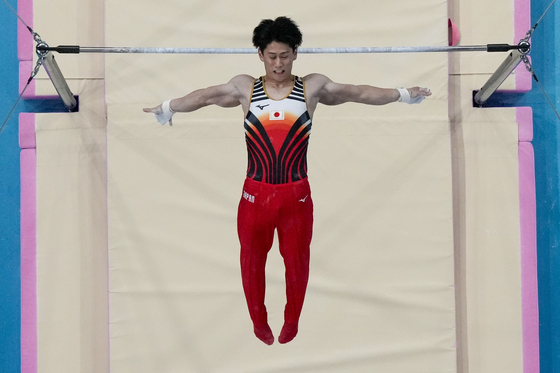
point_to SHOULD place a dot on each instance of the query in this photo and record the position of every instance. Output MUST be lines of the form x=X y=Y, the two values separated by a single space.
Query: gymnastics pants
x=289 y=209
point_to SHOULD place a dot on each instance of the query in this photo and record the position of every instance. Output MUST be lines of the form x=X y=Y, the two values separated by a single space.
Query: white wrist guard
x=166 y=115
x=405 y=97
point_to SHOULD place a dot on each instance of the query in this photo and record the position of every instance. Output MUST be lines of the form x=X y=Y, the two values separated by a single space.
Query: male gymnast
x=278 y=110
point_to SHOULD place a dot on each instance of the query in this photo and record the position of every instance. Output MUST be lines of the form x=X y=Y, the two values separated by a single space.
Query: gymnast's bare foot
x=264 y=333
x=289 y=332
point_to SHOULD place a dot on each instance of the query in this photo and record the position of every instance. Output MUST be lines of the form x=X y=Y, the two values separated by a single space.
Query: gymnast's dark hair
x=281 y=30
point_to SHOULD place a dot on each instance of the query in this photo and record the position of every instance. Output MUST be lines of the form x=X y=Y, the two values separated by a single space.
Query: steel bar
x=467 y=48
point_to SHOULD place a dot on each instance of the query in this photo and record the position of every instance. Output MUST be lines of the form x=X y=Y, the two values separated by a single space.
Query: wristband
x=166 y=115
x=405 y=95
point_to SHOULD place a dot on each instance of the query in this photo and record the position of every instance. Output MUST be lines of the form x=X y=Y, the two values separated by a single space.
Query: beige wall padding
x=486 y=219
x=138 y=255
x=72 y=236
x=486 y=198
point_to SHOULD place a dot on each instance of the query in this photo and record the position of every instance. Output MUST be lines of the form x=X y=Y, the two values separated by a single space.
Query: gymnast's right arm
x=233 y=93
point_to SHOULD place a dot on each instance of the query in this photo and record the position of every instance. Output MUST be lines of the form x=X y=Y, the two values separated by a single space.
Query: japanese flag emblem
x=276 y=115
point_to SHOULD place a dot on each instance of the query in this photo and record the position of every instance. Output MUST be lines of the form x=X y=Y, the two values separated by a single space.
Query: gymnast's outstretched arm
x=320 y=89
x=233 y=93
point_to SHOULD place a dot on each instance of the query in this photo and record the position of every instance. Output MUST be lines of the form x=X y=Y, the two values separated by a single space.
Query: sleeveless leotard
x=277 y=135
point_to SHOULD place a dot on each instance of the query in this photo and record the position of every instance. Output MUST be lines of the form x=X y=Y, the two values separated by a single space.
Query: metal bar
x=509 y=64
x=59 y=82
x=467 y=48
x=300 y=50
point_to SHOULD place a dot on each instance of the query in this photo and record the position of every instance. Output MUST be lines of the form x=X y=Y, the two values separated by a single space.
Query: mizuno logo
x=262 y=106
x=303 y=199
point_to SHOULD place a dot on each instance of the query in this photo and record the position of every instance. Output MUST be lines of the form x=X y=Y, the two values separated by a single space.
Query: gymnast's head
x=281 y=30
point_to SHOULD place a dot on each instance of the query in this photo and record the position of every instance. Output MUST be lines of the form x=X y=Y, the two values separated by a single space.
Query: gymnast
x=278 y=110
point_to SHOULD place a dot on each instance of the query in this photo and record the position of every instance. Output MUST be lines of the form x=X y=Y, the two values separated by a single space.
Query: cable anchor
x=41 y=57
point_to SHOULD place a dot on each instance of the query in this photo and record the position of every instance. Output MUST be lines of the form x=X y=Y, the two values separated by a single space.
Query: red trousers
x=264 y=208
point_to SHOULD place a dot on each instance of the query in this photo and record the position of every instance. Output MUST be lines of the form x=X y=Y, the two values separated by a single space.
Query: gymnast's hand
x=414 y=95
x=418 y=94
x=163 y=113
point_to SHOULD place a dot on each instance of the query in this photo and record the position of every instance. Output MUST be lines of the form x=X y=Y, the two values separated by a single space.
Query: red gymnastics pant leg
x=255 y=227
x=295 y=228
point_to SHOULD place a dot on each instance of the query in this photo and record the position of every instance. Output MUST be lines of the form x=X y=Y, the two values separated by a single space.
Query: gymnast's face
x=278 y=59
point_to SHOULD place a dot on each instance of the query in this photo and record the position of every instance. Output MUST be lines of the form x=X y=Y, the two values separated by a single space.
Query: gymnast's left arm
x=327 y=92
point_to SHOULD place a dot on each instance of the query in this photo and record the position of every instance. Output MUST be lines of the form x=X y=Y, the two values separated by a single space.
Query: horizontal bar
x=300 y=50
x=472 y=48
